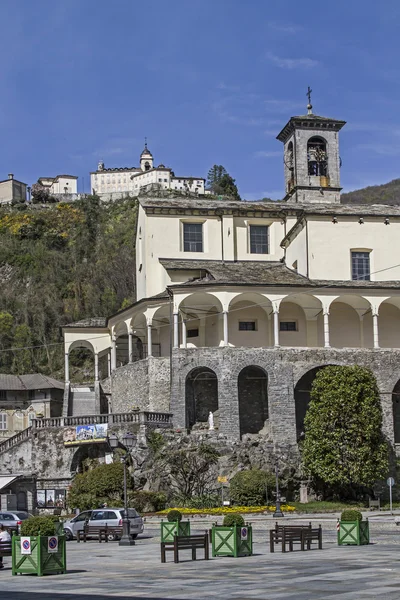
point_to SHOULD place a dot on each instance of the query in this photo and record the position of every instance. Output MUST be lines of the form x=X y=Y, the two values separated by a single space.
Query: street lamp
x=128 y=441
x=278 y=511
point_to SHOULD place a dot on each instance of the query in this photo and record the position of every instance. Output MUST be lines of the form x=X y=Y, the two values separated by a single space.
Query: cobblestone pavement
x=100 y=571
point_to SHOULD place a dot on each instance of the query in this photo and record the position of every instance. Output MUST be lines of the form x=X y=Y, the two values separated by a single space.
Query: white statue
x=210 y=421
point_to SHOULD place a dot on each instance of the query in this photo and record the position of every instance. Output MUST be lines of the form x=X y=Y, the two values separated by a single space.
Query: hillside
x=60 y=263
x=388 y=193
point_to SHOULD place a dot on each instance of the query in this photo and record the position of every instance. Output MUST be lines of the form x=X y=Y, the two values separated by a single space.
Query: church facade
x=240 y=304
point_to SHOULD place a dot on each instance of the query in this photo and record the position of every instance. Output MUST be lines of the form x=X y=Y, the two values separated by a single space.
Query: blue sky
x=207 y=81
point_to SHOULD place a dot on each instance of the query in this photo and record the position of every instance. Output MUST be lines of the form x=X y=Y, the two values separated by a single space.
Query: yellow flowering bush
x=226 y=510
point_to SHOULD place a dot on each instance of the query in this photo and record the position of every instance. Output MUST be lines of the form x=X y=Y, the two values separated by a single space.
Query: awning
x=6 y=481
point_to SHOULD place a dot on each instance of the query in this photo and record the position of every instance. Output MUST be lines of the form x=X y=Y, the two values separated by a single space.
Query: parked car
x=13 y=520
x=104 y=516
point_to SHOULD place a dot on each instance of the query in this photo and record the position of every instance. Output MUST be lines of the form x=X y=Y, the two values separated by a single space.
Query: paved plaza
x=99 y=571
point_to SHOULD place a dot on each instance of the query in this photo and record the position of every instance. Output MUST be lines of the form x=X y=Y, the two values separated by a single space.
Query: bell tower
x=311 y=158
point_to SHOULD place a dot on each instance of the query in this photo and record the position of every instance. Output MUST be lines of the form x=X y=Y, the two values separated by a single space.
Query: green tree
x=22 y=347
x=104 y=483
x=249 y=488
x=191 y=470
x=344 y=450
x=221 y=183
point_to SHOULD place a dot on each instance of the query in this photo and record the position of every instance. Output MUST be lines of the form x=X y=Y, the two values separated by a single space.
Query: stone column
x=96 y=366
x=149 y=341
x=113 y=353
x=376 y=329
x=184 y=335
x=225 y=317
x=176 y=330
x=66 y=367
x=326 y=329
x=109 y=363
x=130 y=345
x=276 y=327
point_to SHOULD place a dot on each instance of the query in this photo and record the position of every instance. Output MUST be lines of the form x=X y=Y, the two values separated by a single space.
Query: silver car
x=101 y=517
x=13 y=520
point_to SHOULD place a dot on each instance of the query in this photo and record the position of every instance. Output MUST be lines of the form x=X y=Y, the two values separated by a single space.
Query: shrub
x=233 y=519
x=174 y=515
x=248 y=488
x=145 y=501
x=351 y=515
x=43 y=525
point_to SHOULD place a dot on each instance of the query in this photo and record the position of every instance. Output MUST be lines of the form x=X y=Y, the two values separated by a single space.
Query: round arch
x=396 y=412
x=89 y=451
x=204 y=312
x=350 y=322
x=201 y=395
x=389 y=323
x=253 y=399
x=249 y=322
x=302 y=396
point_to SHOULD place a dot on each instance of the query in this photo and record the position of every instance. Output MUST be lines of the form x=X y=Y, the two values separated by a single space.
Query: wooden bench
x=183 y=542
x=101 y=532
x=287 y=535
x=5 y=548
x=374 y=504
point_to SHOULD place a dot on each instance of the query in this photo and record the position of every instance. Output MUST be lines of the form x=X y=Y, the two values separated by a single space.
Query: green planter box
x=41 y=561
x=171 y=528
x=232 y=541
x=353 y=533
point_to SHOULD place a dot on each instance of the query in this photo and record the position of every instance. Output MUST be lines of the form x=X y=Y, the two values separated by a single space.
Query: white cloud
x=292 y=63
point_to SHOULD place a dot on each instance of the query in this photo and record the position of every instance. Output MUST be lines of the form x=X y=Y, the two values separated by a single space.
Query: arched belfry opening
x=396 y=412
x=317 y=157
x=253 y=399
x=201 y=395
x=302 y=396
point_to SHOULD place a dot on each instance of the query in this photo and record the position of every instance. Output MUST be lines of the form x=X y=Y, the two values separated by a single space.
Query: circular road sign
x=390 y=481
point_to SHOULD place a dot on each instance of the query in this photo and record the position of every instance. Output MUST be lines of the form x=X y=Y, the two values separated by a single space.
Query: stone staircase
x=15 y=440
x=82 y=401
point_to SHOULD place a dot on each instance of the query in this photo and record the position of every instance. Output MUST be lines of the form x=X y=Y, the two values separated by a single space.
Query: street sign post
x=390 y=482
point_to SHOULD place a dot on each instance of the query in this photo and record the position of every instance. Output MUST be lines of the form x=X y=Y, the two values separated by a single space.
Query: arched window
x=317 y=157
x=147 y=166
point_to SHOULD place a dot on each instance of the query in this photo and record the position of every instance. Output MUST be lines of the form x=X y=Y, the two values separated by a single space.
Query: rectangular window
x=3 y=421
x=192 y=333
x=360 y=267
x=287 y=326
x=192 y=237
x=31 y=394
x=247 y=326
x=3 y=395
x=258 y=239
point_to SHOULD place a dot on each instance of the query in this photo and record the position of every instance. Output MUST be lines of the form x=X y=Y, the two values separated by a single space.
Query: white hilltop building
x=147 y=176
x=240 y=304
x=60 y=184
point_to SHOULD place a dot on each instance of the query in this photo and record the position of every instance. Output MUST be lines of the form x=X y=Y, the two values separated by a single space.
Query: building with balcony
x=240 y=304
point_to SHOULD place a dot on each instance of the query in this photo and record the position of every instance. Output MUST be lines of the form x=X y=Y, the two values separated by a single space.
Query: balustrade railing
x=154 y=419
x=15 y=439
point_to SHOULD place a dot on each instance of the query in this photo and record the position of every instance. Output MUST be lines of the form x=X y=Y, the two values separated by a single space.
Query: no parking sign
x=26 y=545
x=52 y=544
x=244 y=533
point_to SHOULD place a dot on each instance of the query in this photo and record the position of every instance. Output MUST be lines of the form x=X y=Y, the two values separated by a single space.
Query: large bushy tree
x=344 y=450
x=221 y=183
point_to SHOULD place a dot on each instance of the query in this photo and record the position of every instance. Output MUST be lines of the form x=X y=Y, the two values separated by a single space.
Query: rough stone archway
x=253 y=399
x=201 y=395
x=302 y=392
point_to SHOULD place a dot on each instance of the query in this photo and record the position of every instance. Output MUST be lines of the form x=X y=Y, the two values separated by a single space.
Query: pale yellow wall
x=288 y=311
x=242 y=236
x=247 y=311
x=389 y=326
x=297 y=250
x=163 y=238
x=330 y=246
x=59 y=186
x=344 y=325
x=96 y=340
